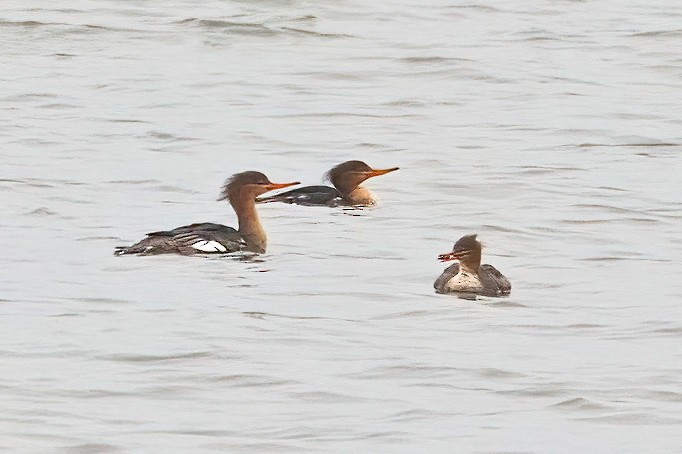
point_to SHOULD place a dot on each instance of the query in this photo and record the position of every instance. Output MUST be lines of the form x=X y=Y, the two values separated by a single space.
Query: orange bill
x=273 y=186
x=377 y=172
x=450 y=256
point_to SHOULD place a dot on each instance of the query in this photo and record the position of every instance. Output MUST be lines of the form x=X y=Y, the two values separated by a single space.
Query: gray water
x=551 y=128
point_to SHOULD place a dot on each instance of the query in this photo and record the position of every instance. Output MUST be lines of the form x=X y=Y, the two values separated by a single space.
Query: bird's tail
x=130 y=250
x=271 y=198
x=139 y=248
x=121 y=250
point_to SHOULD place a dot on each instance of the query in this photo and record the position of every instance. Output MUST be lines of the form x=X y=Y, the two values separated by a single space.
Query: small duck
x=241 y=191
x=346 y=178
x=469 y=276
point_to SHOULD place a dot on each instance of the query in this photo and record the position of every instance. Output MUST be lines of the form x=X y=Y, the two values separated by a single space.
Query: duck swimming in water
x=469 y=276
x=241 y=191
x=346 y=178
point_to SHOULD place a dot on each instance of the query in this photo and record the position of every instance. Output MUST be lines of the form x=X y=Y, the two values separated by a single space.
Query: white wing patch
x=209 y=246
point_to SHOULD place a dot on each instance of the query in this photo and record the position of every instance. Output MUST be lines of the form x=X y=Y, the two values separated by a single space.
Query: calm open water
x=551 y=128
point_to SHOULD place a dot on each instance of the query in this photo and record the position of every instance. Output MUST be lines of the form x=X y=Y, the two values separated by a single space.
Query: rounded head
x=348 y=175
x=348 y=166
x=249 y=184
x=467 y=243
x=466 y=246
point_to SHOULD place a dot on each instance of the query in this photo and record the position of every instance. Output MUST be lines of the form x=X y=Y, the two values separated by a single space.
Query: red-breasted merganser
x=241 y=191
x=469 y=276
x=346 y=178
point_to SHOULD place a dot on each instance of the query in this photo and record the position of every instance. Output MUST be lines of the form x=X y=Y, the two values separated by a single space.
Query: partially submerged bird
x=241 y=191
x=469 y=276
x=346 y=178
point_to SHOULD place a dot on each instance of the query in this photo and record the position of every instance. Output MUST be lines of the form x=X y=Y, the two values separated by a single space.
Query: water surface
x=552 y=129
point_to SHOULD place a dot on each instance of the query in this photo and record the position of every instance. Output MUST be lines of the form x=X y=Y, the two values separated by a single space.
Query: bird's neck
x=344 y=185
x=359 y=196
x=250 y=227
x=471 y=264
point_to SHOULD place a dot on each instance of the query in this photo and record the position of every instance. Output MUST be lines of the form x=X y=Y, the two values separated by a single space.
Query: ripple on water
x=334 y=340
x=157 y=358
x=247 y=381
x=632 y=418
x=257 y=29
x=580 y=404
x=91 y=448
x=42 y=211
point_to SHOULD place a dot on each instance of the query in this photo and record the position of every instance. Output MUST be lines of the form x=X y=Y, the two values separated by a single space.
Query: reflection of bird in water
x=345 y=177
x=241 y=191
x=469 y=276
